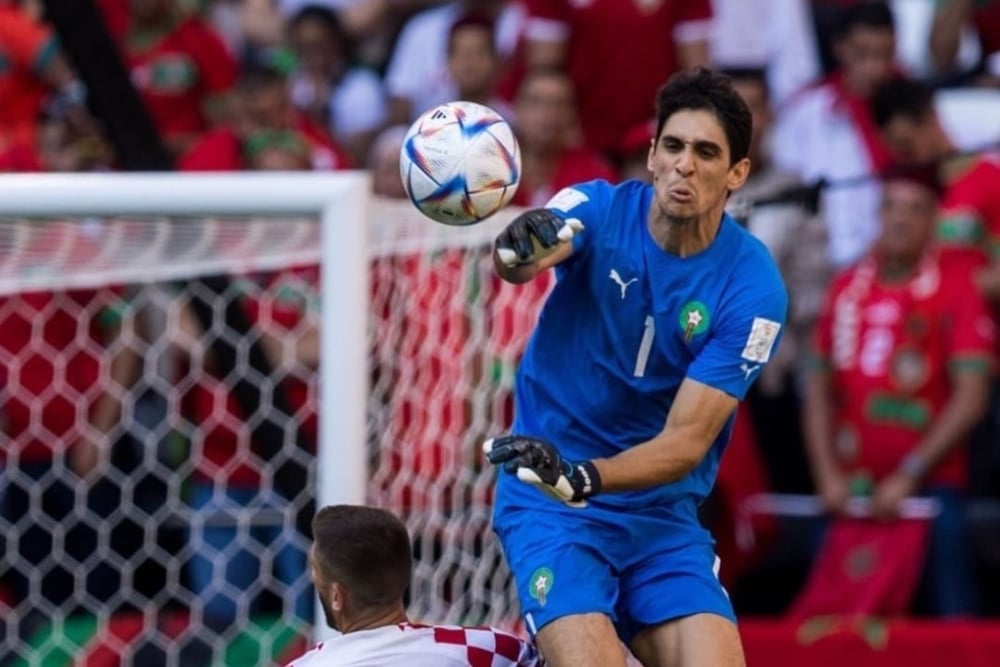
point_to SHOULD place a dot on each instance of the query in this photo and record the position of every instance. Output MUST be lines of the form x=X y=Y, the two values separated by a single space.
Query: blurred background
x=158 y=412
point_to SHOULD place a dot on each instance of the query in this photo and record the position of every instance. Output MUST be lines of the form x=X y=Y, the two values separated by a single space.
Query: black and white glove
x=533 y=235
x=538 y=462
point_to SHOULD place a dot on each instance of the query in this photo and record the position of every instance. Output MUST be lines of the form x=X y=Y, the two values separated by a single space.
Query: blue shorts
x=640 y=568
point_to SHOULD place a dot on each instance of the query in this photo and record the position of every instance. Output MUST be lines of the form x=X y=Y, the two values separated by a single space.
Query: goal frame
x=341 y=200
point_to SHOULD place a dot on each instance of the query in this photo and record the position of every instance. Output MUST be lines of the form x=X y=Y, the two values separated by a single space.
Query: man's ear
x=338 y=596
x=738 y=174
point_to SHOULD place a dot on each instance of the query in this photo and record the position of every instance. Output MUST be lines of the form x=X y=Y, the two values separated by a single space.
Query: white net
x=176 y=361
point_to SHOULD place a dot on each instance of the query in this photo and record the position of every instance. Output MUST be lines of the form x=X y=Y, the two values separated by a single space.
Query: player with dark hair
x=663 y=314
x=360 y=564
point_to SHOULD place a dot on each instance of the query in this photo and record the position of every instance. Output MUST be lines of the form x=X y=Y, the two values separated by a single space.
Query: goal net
x=165 y=438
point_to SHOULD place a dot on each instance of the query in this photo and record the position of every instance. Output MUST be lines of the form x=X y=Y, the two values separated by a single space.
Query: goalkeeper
x=663 y=314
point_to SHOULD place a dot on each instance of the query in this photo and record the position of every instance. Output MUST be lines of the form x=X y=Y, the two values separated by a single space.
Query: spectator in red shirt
x=263 y=104
x=548 y=133
x=181 y=68
x=969 y=221
x=617 y=53
x=32 y=70
x=900 y=377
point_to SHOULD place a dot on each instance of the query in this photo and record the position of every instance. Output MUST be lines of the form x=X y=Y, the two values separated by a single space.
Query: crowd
x=873 y=184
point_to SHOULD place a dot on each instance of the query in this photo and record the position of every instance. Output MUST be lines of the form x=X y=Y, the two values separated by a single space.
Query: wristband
x=591 y=479
x=913 y=466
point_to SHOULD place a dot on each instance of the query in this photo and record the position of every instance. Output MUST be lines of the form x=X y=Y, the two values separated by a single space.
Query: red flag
x=865 y=567
x=740 y=538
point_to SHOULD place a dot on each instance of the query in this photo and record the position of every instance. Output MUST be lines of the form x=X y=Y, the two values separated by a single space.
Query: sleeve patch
x=763 y=333
x=567 y=199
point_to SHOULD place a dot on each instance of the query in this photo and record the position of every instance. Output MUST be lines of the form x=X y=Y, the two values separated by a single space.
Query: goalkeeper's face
x=690 y=164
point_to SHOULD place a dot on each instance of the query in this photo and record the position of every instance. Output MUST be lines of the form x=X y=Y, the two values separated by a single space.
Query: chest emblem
x=694 y=319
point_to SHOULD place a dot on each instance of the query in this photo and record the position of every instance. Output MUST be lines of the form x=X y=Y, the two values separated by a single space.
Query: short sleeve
x=821 y=347
x=586 y=202
x=748 y=333
x=29 y=44
x=216 y=66
x=359 y=105
x=971 y=330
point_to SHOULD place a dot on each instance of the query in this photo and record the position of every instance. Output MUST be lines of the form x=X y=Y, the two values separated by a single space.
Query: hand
x=86 y=456
x=833 y=492
x=539 y=463
x=533 y=235
x=890 y=494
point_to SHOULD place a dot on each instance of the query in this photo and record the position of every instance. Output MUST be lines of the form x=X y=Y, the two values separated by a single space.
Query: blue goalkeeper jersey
x=626 y=322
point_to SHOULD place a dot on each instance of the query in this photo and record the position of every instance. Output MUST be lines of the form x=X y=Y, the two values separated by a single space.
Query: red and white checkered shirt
x=411 y=645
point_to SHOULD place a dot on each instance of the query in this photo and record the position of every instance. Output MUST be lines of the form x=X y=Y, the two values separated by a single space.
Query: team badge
x=541 y=584
x=693 y=319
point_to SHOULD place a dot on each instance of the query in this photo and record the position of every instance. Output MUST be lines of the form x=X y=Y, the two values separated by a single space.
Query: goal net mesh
x=176 y=361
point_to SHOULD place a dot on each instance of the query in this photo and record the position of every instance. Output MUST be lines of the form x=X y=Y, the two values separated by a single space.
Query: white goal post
x=341 y=202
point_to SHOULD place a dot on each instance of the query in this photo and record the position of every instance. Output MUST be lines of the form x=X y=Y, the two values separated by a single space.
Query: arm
x=696 y=418
x=965 y=407
x=946 y=32
x=522 y=273
x=534 y=241
x=93 y=448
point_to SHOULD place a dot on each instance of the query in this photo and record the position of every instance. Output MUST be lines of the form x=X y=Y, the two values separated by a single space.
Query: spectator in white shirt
x=417 y=78
x=780 y=33
x=348 y=100
x=827 y=131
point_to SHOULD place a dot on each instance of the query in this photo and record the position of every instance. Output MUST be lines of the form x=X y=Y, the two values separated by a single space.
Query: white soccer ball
x=460 y=163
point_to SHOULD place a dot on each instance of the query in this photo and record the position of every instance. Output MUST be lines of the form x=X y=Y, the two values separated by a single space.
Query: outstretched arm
x=534 y=241
x=697 y=416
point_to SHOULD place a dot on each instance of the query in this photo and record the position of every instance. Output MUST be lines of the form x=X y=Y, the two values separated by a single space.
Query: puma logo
x=748 y=369
x=621 y=283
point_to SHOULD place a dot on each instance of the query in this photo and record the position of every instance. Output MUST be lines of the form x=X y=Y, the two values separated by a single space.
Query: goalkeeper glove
x=533 y=235
x=538 y=462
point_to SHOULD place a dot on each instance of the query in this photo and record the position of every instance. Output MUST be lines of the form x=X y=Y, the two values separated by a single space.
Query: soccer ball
x=460 y=163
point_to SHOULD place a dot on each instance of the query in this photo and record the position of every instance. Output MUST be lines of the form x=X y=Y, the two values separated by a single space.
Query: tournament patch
x=567 y=199
x=763 y=333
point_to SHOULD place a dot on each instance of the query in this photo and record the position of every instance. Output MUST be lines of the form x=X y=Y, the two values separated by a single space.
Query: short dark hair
x=544 y=72
x=902 y=98
x=472 y=20
x=330 y=20
x=366 y=549
x=925 y=175
x=702 y=88
x=868 y=14
x=257 y=76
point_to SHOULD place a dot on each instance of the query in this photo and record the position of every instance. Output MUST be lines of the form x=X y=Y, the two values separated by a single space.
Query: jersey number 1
x=645 y=346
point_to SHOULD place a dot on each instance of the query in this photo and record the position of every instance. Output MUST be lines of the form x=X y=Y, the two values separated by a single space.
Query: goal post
x=341 y=201
x=396 y=341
